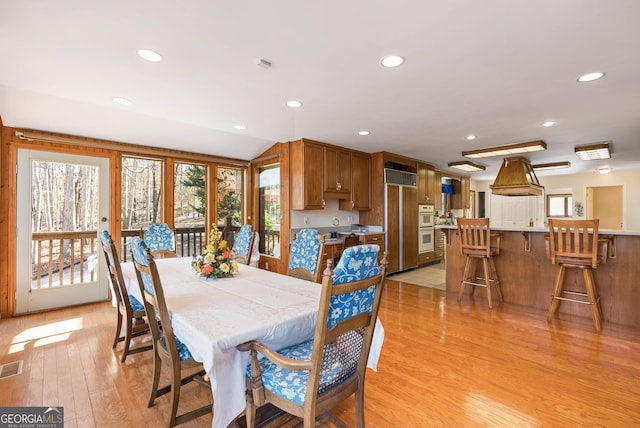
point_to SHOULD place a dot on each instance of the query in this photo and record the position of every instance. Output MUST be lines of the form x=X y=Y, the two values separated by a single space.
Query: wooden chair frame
x=477 y=243
x=156 y=309
x=136 y=325
x=576 y=244
x=317 y=406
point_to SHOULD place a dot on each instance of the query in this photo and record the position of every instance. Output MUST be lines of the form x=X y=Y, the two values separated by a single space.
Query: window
x=559 y=205
x=230 y=196
x=189 y=207
x=141 y=192
x=269 y=210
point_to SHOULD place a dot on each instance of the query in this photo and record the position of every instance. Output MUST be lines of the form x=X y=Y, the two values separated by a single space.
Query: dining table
x=213 y=316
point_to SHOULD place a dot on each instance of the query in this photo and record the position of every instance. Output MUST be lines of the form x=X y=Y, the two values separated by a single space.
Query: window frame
x=568 y=205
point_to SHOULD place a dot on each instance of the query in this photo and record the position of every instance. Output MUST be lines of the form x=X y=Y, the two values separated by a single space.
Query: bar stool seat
x=479 y=244
x=574 y=244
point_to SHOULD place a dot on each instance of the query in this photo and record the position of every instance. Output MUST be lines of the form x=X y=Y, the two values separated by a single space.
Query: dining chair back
x=243 y=245
x=351 y=240
x=161 y=240
x=166 y=346
x=129 y=309
x=575 y=244
x=309 y=379
x=305 y=255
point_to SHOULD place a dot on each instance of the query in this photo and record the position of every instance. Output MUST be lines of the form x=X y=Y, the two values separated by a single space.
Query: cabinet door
x=465 y=184
x=393 y=227
x=337 y=173
x=409 y=227
x=306 y=176
x=426 y=184
x=360 y=184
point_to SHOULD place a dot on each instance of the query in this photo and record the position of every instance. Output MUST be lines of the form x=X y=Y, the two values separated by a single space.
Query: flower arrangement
x=216 y=260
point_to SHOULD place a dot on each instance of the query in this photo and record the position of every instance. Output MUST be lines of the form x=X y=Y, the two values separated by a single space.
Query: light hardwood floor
x=443 y=364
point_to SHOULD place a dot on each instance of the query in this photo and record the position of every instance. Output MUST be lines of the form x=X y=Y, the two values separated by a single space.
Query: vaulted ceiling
x=496 y=69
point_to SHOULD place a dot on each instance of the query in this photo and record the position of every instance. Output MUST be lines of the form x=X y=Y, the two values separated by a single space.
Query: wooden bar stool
x=476 y=243
x=574 y=244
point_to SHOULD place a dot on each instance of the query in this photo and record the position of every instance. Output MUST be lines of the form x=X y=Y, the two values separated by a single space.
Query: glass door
x=62 y=201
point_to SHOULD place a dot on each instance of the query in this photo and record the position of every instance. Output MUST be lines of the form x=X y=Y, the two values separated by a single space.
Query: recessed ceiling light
x=149 y=55
x=364 y=133
x=294 y=104
x=471 y=137
x=589 y=77
x=240 y=127
x=122 y=101
x=604 y=170
x=548 y=123
x=392 y=61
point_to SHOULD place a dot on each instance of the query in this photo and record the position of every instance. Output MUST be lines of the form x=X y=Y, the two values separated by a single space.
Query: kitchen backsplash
x=326 y=218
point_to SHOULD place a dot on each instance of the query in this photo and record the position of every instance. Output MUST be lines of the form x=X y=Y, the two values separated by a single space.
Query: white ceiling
x=494 y=68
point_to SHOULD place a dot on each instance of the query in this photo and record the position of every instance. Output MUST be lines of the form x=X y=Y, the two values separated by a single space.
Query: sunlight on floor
x=493 y=414
x=45 y=334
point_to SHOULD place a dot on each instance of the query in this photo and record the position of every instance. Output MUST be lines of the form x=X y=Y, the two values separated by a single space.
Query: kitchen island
x=527 y=275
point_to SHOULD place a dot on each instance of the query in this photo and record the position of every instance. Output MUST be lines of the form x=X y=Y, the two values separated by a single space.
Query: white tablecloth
x=212 y=317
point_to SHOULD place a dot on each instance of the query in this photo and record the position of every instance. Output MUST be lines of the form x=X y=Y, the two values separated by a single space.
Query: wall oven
x=426 y=232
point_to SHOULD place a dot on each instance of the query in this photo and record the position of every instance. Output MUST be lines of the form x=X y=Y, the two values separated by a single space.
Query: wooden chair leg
x=127 y=340
x=465 y=276
x=250 y=412
x=474 y=276
x=593 y=298
x=157 y=365
x=487 y=279
x=175 y=395
x=496 y=280
x=359 y=399
x=557 y=292
x=118 y=328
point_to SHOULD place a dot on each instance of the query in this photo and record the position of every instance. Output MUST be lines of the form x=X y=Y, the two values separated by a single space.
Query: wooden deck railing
x=70 y=258
x=55 y=253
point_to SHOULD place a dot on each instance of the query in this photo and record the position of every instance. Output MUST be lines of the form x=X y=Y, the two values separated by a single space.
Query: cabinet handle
x=353 y=204
x=323 y=203
x=338 y=185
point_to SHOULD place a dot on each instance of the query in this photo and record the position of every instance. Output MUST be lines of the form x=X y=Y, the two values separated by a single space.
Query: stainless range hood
x=516 y=178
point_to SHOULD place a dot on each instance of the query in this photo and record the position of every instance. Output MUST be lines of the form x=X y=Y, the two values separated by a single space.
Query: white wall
x=577 y=184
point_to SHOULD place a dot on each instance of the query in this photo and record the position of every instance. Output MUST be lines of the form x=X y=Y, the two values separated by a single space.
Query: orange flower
x=226 y=253
x=207 y=269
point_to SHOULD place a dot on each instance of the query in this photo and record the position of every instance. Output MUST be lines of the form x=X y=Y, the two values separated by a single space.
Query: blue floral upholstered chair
x=308 y=379
x=305 y=255
x=129 y=308
x=166 y=346
x=161 y=240
x=243 y=245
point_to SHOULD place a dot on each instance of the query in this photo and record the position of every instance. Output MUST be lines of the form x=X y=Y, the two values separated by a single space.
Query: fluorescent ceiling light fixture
x=552 y=165
x=548 y=123
x=149 y=55
x=240 y=127
x=122 y=101
x=391 y=61
x=604 y=170
x=467 y=166
x=471 y=137
x=294 y=104
x=590 y=77
x=593 y=151
x=364 y=133
x=510 y=149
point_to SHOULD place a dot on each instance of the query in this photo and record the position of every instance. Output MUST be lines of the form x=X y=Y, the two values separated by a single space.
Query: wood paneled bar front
x=527 y=275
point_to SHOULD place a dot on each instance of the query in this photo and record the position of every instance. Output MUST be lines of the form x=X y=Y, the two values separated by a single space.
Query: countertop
x=627 y=232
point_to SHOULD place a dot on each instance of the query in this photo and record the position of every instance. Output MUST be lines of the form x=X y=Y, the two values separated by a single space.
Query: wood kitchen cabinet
x=426 y=184
x=460 y=197
x=306 y=175
x=374 y=238
x=331 y=252
x=360 y=196
x=336 y=173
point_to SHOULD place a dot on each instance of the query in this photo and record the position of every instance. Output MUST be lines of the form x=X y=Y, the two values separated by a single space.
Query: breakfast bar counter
x=527 y=275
